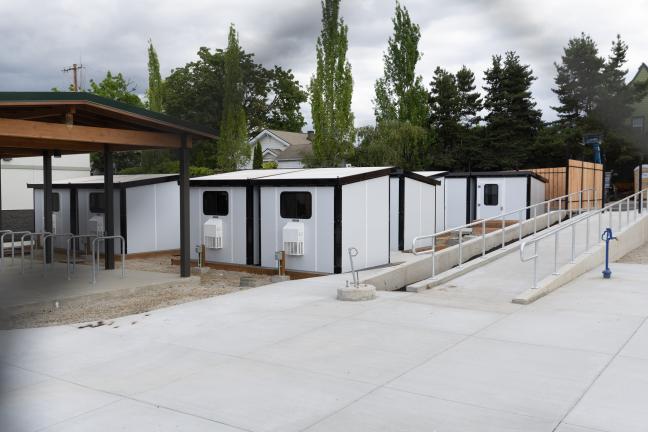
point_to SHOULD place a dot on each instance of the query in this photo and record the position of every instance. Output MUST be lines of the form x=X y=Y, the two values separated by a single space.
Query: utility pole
x=74 y=68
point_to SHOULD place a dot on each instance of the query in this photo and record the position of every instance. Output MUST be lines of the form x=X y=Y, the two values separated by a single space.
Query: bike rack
x=52 y=236
x=13 y=245
x=353 y=252
x=22 y=249
x=94 y=249
x=72 y=240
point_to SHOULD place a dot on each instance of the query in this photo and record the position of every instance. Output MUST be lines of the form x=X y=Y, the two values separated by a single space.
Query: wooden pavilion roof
x=79 y=122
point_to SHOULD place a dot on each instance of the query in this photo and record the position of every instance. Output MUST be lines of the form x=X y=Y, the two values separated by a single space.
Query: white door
x=490 y=197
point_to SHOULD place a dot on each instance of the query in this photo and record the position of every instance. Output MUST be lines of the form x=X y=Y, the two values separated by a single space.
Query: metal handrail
x=572 y=225
x=13 y=245
x=521 y=212
x=52 y=236
x=71 y=239
x=94 y=243
x=31 y=254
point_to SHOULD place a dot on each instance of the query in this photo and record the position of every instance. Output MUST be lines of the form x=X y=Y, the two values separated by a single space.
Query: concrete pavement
x=289 y=357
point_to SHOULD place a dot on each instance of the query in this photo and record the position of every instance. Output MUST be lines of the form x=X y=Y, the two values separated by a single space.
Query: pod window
x=296 y=205
x=56 y=202
x=97 y=202
x=491 y=194
x=215 y=203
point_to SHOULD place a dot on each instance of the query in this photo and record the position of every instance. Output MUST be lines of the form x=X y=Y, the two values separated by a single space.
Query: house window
x=215 y=203
x=491 y=194
x=638 y=122
x=56 y=202
x=97 y=202
x=296 y=205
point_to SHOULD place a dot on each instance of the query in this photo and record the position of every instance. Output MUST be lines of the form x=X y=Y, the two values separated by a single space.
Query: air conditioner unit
x=96 y=225
x=293 y=238
x=213 y=233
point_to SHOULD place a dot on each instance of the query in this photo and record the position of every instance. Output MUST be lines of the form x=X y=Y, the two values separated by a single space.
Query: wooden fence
x=576 y=176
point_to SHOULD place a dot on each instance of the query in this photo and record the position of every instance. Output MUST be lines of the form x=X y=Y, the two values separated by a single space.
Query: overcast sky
x=39 y=38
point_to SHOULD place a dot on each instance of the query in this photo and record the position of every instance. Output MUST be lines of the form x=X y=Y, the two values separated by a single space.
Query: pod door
x=490 y=197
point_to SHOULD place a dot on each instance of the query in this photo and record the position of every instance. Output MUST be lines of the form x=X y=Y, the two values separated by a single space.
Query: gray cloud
x=39 y=38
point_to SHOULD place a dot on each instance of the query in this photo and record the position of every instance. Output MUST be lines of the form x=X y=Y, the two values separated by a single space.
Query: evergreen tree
x=331 y=90
x=400 y=94
x=233 y=150
x=257 y=161
x=468 y=151
x=578 y=80
x=445 y=114
x=513 y=121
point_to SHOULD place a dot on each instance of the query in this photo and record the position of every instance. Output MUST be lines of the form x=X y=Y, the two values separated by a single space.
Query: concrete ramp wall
x=420 y=268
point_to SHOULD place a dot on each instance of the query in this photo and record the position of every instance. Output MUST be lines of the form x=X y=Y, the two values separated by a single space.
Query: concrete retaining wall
x=629 y=239
x=416 y=270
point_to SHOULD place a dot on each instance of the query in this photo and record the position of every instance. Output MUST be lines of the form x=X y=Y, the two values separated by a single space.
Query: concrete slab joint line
x=632 y=237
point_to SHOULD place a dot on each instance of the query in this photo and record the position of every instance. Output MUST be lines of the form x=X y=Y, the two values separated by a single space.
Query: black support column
x=185 y=265
x=47 y=201
x=109 y=209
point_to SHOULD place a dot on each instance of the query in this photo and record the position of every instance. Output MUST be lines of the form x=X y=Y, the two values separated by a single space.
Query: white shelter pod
x=338 y=208
x=481 y=195
x=227 y=203
x=146 y=209
x=412 y=207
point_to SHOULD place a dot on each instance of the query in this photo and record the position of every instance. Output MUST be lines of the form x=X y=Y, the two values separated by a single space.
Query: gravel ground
x=99 y=309
x=637 y=256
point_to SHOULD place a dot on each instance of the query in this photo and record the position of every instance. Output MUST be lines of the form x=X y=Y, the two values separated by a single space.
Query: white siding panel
x=455 y=202
x=365 y=222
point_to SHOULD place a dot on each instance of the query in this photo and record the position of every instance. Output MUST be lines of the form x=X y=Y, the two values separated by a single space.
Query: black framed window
x=491 y=194
x=296 y=205
x=56 y=202
x=215 y=203
x=97 y=202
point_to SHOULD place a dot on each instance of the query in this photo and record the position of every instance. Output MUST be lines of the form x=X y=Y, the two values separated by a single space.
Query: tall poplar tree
x=155 y=92
x=154 y=161
x=233 y=149
x=400 y=94
x=331 y=90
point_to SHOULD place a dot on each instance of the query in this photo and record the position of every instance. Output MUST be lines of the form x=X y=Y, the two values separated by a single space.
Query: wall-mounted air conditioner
x=293 y=238
x=96 y=225
x=213 y=233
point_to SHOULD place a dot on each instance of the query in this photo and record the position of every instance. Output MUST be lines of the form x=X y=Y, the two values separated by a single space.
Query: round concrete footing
x=361 y=293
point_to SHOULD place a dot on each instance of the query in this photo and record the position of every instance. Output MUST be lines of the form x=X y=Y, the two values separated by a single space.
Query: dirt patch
x=637 y=256
x=103 y=307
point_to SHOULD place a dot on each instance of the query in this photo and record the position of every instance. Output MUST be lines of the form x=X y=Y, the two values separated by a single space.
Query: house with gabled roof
x=285 y=148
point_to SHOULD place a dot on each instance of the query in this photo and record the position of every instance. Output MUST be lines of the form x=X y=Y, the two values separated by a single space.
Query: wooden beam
x=81 y=136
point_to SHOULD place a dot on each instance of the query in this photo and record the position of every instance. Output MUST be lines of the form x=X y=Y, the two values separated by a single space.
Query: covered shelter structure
x=50 y=124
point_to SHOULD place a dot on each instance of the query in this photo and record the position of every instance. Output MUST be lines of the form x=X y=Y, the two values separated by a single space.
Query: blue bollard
x=607 y=236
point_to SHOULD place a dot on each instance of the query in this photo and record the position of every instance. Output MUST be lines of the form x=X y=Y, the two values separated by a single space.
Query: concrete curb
x=629 y=239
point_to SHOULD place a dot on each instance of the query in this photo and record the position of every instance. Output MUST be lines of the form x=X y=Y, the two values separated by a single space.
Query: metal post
x=460 y=247
x=483 y=237
x=521 y=216
x=573 y=243
x=556 y=240
x=47 y=202
x=535 y=219
x=503 y=226
x=627 y=200
x=185 y=265
x=109 y=210
x=559 y=211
